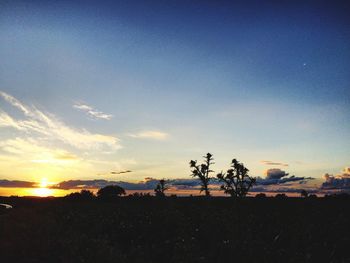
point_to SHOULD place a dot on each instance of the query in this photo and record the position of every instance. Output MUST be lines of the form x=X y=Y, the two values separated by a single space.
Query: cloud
x=51 y=127
x=275 y=173
x=14 y=102
x=90 y=111
x=148 y=183
x=274 y=163
x=294 y=190
x=122 y=172
x=339 y=182
x=17 y=184
x=99 y=183
x=155 y=135
x=29 y=149
x=278 y=176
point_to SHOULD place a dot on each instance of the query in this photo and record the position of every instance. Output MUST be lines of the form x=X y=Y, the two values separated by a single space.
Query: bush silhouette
x=281 y=196
x=236 y=180
x=82 y=195
x=110 y=191
x=304 y=193
x=161 y=188
x=202 y=171
x=260 y=196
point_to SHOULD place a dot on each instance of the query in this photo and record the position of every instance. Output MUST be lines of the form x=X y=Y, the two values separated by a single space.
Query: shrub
x=236 y=180
x=161 y=188
x=110 y=191
x=203 y=171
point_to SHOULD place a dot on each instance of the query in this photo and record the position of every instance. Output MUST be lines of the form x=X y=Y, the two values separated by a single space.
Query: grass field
x=189 y=229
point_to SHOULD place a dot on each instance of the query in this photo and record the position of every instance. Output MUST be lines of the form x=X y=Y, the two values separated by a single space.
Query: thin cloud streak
x=31 y=150
x=122 y=172
x=274 y=163
x=92 y=112
x=155 y=135
x=50 y=126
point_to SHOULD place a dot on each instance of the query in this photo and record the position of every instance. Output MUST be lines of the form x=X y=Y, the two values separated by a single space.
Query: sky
x=128 y=90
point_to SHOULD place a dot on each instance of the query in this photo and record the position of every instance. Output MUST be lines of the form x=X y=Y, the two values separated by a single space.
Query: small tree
x=87 y=194
x=202 y=171
x=260 y=196
x=161 y=188
x=110 y=191
x=281 y=196
x=236 y=180
x=82 y=195
x=304 y=193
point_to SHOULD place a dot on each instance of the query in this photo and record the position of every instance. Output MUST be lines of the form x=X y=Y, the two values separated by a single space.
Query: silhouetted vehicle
x=5 y=206
x=110 y=191
x=161 y=188
x=203 y=171
x=237 y=181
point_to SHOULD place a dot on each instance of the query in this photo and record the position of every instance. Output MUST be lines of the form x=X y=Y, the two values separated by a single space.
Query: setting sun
x=42 y=192
x=43 y=183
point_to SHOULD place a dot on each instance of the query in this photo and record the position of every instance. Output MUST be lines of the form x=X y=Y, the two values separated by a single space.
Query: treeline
x=236 y=182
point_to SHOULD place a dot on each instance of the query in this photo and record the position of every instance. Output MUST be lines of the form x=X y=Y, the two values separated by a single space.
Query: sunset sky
x=130 y=90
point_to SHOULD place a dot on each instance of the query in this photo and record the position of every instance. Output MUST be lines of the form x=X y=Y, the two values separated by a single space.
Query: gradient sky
x=94 y=87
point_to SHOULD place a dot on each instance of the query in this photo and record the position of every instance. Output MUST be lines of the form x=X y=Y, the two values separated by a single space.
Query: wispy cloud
x=92 y=112
x=30 y=150
x=51 y=127
x=16 y=103
x=122 y=172
x=155 y=135
x=274 y=163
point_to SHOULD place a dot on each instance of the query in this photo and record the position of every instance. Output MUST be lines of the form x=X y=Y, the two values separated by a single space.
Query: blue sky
x=166 y=82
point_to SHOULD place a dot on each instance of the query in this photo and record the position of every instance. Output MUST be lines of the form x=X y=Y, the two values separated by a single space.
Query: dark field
x=175 y=230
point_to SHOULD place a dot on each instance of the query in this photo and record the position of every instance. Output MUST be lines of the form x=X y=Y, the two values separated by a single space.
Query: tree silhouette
x=281 y=196
x=304 y=193
x=87 y=194
x=260 y=196
x=82 y=195
x=161 y=188
x=110 y=191
x=202 y=171
x=236 y=180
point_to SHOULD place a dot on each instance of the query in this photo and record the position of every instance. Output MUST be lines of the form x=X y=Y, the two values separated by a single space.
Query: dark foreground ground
x=175 y=230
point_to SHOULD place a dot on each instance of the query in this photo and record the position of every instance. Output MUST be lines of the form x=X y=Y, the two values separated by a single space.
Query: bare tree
x=203 y=171
x=236 y=180
x=161 y=188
